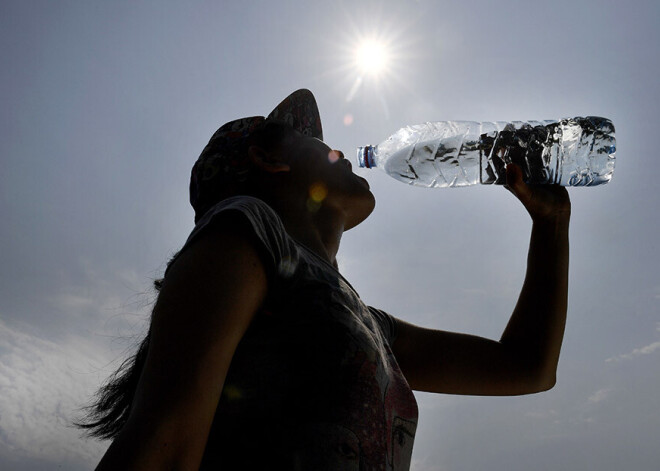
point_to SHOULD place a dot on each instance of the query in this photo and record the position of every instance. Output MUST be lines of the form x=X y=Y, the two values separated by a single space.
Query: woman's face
x=329 y=178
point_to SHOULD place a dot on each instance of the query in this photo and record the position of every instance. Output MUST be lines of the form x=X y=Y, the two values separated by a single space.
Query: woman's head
x=281 y=159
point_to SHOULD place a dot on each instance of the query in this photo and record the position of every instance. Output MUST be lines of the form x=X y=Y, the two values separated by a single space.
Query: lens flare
x=333 y=156
x=318 y=192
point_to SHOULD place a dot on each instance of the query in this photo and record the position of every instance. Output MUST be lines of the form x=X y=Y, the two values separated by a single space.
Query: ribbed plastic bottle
x=567 y=152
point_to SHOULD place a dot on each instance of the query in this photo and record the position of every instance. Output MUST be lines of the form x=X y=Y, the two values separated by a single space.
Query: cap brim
x=299 y=110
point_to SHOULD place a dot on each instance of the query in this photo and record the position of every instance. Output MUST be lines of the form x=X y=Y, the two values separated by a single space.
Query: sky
x=106 y=106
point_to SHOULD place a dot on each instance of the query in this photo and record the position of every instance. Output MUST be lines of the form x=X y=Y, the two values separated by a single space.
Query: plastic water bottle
x=568 y=152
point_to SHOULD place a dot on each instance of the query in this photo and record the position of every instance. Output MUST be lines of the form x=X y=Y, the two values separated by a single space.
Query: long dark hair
x=109 y=412
x=106 y=416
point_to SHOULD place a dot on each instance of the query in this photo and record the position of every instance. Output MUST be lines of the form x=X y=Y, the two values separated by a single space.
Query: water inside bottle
x=587 y=148
x=440 y=155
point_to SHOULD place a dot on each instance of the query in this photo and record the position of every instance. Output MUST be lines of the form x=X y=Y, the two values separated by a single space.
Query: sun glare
x=372 y=57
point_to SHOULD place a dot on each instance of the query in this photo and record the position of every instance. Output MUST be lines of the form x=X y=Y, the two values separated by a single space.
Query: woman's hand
x=544 y=203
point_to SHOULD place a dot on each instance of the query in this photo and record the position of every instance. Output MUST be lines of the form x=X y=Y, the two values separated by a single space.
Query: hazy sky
x=106 y=105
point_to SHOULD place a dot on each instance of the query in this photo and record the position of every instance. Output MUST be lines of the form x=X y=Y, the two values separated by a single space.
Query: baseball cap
x=223 y=162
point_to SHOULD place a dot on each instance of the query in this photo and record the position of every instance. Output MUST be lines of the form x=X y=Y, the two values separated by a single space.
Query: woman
x=260 y=355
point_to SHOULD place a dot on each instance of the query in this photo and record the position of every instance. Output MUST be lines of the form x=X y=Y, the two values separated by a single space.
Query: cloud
x=425 y=465
x=42 y=387
x=50 y=369
x=73 y=303
x=100 y=289
x=542 y=414
x=599 y=395
x=646 y=350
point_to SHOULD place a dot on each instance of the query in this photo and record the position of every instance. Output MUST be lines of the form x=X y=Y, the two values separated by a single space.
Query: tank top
x=313 y=384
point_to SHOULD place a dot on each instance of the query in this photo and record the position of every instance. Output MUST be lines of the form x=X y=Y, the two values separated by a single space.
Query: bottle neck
x=365 y=157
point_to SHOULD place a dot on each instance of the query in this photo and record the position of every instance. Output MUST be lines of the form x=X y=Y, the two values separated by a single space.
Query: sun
x=372 y=57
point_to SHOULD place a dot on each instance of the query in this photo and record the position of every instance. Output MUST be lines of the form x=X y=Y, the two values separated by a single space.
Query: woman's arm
x=525 y=359
x=208 y=299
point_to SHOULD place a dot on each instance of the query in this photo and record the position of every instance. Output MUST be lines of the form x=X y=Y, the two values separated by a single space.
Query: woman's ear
x=266 y=161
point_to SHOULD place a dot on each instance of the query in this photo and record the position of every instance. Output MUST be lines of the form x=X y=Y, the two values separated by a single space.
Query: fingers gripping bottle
x=568 y=152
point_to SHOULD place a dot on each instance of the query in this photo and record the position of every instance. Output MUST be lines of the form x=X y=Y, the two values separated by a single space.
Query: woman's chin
x=360 y=209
